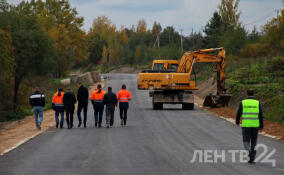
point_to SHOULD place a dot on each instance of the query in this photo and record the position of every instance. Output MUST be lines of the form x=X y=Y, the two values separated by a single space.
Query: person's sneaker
x=39 y=126
x=121 y=122
x=100 y=125
x=79 y=125
x=96 y=124
x=56 y=125
x=107 y=125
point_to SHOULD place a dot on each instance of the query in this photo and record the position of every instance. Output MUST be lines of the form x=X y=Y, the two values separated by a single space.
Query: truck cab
x=163 y=65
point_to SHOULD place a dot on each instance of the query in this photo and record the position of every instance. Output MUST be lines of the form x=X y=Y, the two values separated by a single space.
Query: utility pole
x=158 y=37
x=278 y=19
x=181 y=40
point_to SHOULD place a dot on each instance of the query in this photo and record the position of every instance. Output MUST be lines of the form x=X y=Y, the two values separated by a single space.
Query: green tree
x=7 y=63
x=32 y=49
x=254 y=36
x=63 y=26
x=234 y=40
x=169 y=36
x=141 y=26
x=228 y=9
x=213 y=31
x=156 y=31
x=194 y=41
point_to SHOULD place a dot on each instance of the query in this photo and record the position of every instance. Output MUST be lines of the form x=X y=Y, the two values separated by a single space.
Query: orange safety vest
x=98 y=97
x=58 y=100
x=124 y=95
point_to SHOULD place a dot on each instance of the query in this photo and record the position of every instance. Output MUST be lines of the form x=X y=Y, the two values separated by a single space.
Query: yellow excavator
x=169 y=81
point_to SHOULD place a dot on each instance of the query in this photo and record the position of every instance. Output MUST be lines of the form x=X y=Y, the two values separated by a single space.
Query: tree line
x=45 y=40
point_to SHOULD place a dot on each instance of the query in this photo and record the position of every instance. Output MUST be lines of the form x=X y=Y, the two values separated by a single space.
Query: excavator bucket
x=216 y=101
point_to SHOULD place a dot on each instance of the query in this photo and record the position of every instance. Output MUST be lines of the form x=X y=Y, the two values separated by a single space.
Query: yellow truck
x=169 y=81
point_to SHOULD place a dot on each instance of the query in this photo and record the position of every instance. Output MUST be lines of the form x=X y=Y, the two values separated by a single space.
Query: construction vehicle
x=169 y=81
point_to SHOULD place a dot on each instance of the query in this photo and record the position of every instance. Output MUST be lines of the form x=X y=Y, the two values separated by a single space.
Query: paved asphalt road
x=153 y=142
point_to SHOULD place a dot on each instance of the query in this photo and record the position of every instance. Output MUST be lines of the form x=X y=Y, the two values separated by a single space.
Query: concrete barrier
x=90 y=77
x=96 y=76
x=66 y=81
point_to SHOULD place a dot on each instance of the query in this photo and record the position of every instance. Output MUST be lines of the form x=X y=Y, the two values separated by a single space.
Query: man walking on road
x=110 y=101
x=251 y=116
x=69 y=101
x=83 y=99
x=58 y=107
x=97 y=101
x=123 y=96
x=37 y=100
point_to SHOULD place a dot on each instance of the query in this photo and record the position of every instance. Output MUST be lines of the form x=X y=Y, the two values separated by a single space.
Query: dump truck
x=170 y=81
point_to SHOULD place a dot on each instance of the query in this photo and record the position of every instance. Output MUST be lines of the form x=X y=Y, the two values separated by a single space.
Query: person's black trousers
x=110 y=115
x=69 y=118
x=250 y=137
x=123 y=114
x=85 y=109
x=98 y=112
x=250 y=140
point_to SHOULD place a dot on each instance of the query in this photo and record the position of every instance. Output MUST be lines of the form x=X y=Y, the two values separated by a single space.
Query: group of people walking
x=65 y=102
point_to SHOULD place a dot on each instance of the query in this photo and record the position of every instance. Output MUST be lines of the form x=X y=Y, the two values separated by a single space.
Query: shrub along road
x=153 y=142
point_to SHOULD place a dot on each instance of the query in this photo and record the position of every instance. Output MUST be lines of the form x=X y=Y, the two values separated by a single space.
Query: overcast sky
x=182 y=14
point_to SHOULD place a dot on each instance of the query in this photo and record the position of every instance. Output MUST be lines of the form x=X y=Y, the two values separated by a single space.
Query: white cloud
x=182 y=14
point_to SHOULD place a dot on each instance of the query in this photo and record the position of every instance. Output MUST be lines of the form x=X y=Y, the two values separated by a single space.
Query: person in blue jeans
x=58 y=107
x=37 y=101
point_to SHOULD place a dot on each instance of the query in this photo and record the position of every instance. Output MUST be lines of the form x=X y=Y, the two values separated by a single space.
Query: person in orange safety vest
x=58 y=107
x=98 y=105
x=123 y=96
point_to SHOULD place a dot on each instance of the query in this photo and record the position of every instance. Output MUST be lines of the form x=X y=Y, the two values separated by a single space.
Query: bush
x=273 y=109
x=277 y=64
x=254 y=50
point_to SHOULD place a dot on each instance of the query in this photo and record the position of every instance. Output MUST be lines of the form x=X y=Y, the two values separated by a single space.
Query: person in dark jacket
x=83 y=99
x=58 y=107
x=110 y=100
x=37 y=101
x=251 y=116
x=69 y=101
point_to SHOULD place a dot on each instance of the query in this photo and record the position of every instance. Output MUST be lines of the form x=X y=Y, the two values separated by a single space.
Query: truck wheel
x=157 y=106
x=188 y=106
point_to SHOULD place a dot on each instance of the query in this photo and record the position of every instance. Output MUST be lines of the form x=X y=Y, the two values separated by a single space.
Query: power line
x=260 y=19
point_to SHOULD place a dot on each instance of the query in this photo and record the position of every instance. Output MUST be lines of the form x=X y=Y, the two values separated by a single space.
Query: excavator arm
x=203 y=55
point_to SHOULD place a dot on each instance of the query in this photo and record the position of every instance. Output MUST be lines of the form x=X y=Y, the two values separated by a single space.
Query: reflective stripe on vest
x=58 y=104
x=250 y=113
x=123 y=95
x=123 y=99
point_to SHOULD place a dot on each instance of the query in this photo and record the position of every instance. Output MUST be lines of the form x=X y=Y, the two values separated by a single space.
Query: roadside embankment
x=271 y=129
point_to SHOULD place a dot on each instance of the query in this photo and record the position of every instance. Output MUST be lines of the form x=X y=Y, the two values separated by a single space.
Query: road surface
x=153 y=142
